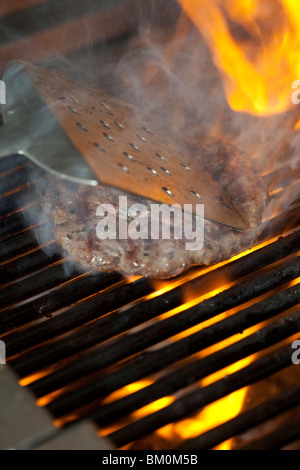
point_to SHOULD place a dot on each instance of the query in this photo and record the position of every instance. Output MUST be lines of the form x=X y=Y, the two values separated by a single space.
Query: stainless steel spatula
x=88 y=137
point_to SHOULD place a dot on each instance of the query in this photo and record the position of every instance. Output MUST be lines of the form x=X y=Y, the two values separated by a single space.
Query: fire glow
x=251 y=41
x=247 y=67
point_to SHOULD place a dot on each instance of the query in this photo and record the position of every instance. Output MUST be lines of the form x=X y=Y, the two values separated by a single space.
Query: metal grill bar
x=233 y=270
x=14 y=179
x=244 y=421
x=276 y=439
x=80 y=303
x=53 y=30
x=14 y=223
x=163 y=330
x=99 y=330
x=55 y=274
x=221 y=330
x=193 y=372
x=77 y=288
x=94 y=349
x=37 y=260
x=284 y=222
x=11 y=203
x=23 y=243
x=260 y=369
x=11 y=162
x=136 y=369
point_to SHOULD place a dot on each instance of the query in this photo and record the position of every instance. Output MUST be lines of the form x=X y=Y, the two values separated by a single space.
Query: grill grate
x=76 y=338
x=246 y=420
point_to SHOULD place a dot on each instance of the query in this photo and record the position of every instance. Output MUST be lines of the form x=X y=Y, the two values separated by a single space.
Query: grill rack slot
x=79 y=313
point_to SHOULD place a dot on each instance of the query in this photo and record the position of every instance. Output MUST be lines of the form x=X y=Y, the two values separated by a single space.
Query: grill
x=75 y=338
x=139 y=359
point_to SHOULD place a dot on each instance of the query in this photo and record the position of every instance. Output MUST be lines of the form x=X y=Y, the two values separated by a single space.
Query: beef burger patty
x=73 y=207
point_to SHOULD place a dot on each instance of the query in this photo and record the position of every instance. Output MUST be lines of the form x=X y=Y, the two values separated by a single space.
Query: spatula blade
x=88 y=137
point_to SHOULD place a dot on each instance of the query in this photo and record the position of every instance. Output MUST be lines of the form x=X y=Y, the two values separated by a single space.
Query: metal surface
x=82 y=436
x=41 y=30
x=244 y=421
x=22 y=422
x=88 y=137
x=25 y=426
x=76 y=339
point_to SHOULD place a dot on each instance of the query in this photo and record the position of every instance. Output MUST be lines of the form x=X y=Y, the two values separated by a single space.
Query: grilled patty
x=73 y=207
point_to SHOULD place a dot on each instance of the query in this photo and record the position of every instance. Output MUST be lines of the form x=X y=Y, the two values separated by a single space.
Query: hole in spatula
x=82 y=127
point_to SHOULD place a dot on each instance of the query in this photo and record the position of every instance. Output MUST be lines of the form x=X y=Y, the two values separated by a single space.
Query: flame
x=218 y=412
x=140 y=413
x=295 y=282
x=212 y=415
x=256 y=46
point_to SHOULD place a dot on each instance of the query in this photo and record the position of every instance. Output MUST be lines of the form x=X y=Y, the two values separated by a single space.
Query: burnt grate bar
x=245 y=421
x=127 y=346
x=14 y=179
x=11 y=162
x=50 y=302
x=10 y=206
x=23 y=196
x=23 y=243
x=35 y=261
x=194 y=401
x=100 y=332
x=78 y=314
x=15 y=224
x=276 y=439
x=102 y=329
x=193 y=372
x=58 y=273
x=144 y=365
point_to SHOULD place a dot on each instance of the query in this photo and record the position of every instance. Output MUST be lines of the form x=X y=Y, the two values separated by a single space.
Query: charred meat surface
x=73 y=207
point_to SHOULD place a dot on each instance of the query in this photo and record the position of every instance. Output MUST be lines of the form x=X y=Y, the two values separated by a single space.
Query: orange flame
x=256 y=46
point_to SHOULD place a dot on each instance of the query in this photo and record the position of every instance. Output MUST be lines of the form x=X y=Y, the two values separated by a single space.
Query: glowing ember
x=256 y=46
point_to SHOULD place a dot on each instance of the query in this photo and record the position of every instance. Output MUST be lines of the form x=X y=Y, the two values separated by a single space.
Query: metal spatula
x=88 y=137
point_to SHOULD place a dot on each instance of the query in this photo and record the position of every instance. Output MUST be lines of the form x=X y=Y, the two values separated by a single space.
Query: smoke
x=171 y=77
x=166 y=71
